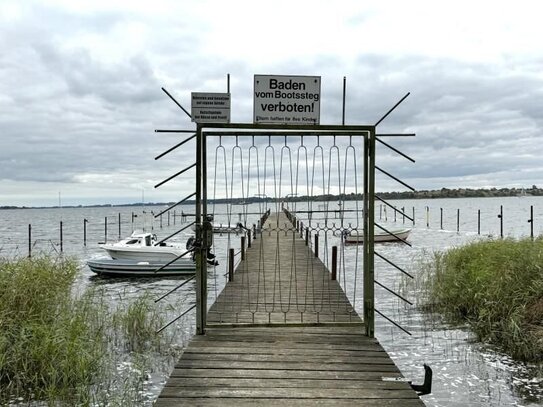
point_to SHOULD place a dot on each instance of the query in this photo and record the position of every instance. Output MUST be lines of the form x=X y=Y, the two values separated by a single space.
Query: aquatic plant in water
x=59 y=347
x=497 y=287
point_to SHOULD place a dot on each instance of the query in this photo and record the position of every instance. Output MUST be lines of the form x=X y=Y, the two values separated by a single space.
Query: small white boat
x=144 y=247
x=379 y=235
x=134 y=268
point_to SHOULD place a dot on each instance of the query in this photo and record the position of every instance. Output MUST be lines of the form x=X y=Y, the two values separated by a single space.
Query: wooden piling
x=334 y=263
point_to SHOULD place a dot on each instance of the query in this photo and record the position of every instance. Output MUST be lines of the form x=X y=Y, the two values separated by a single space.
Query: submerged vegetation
x=58 y=347
x=497 y=287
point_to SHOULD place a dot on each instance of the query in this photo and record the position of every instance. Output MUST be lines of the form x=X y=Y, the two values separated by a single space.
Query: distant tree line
x=422 y=194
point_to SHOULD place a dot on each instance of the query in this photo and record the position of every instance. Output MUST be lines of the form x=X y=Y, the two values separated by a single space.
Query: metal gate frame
x=203 y=226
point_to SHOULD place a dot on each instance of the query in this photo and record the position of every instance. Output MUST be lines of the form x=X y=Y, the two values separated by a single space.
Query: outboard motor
x=190 y=243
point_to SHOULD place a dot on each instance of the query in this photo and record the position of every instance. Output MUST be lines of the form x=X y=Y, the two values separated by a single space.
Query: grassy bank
x=57 y=347
x=496 y=286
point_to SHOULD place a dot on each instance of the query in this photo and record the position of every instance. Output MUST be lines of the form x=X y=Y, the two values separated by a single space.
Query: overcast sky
x=80 y=87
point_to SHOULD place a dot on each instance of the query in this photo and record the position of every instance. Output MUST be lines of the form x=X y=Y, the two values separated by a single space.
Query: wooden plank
x=286 y=383
x=300 y=393
x=283 y=374
x=279 y=402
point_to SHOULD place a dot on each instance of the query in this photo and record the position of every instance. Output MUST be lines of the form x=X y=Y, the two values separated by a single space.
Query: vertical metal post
x=531 y=221
x=61 y=239
x=403 y=214
x=29 y=240
x=249 y=238
x=441 y=218
x=168 y=218
x=413 y=216
x=85 y=232
x=105 y=229
x=458 y=220
x=369 y=221
x=242 y=248
x=395 y=211
x=501 y=220
x=344 y=93
x=334 y=263
x=201 y=301
x=307 y=236
x=478 y=221
x=132 y=222
x=427 y=216
x=317 y=245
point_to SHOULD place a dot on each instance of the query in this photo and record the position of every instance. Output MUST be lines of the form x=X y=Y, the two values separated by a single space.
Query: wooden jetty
x=282 y=332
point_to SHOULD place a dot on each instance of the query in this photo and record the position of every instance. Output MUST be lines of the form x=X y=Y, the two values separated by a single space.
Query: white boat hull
x=379 y=236
x=146 y=253
x=131 y=268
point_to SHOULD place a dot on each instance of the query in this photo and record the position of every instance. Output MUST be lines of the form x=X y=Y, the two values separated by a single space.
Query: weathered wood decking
x=250 y=356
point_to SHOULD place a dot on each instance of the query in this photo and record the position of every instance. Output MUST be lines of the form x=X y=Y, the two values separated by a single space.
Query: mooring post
x=501 y=220
x=85 y=232
x=242 y=247
x=231 y=265
x=105 y=229
x=29 y=240
x=403 y=214
x=317 y=245
x=334 y=263
x=413 y=216
x=427 y=216
x=254 y=231
x=458 y=220
x=119 y=221
x=168 y=218
x=307 y=236
x=478 y=221
x=249 y=238
x=531 y=221
x=441 y=218
x=395 y=214
x=61 y=238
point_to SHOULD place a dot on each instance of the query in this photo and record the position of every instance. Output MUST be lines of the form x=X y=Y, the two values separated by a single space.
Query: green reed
x=497 y=287
x=58 y=347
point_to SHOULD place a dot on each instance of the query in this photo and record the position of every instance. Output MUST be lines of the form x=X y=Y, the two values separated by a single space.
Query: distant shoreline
x=422 y=194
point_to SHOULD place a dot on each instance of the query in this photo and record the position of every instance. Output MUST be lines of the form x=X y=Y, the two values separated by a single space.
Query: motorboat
x=135 y=268
x=145 y=247
x=379 y=235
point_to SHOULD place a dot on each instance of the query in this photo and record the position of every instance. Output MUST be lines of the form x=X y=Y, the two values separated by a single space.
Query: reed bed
x=497 y=287
x=57 y=347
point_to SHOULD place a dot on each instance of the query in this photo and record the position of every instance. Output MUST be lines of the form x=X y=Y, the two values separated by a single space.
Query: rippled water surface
x=465 y=372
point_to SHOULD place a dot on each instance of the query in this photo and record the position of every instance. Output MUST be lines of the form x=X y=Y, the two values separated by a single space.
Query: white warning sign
x=282 y=99
x=210 y=107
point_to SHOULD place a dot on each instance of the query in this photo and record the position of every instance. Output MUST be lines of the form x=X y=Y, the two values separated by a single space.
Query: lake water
x=465 y=372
